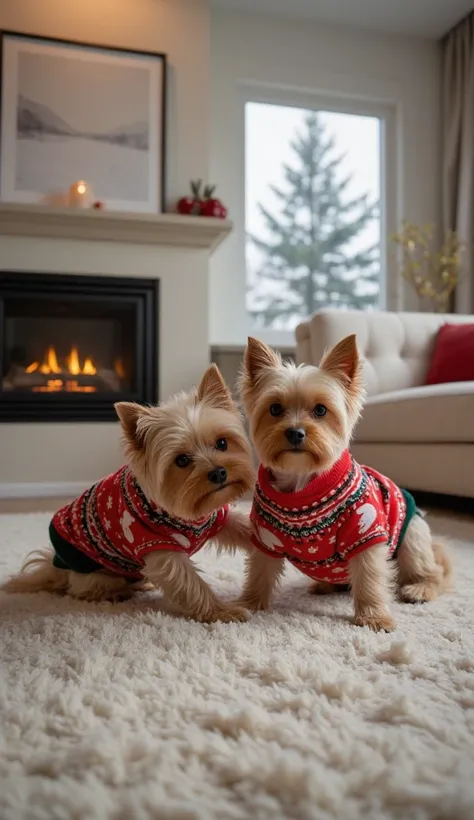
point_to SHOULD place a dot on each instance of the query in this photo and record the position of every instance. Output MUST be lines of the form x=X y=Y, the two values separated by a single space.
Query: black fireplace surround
x=71 y=346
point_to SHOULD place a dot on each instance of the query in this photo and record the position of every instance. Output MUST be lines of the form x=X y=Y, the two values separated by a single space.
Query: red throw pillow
x=453 y=356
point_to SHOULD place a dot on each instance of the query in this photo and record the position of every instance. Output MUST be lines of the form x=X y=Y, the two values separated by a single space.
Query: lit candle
x=80 y=195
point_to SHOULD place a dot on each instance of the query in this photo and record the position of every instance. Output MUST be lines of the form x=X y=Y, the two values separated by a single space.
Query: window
x=313 y=225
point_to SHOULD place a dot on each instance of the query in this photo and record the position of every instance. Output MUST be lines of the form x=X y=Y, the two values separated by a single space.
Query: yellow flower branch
x=434 y=274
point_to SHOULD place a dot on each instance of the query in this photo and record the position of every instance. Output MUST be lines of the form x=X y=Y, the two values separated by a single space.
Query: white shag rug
x=124 y=711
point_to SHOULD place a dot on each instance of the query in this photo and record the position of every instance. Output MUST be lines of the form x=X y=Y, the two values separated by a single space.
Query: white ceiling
x=424 y=18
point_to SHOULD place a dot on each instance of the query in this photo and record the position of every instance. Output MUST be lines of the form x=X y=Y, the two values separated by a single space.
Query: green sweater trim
x=411 y=511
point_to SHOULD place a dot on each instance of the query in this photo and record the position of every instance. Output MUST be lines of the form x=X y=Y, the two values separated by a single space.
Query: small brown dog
x=336 y=521
x=187 y=460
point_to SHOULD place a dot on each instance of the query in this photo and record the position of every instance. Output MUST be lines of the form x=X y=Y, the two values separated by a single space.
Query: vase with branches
x=434 y=273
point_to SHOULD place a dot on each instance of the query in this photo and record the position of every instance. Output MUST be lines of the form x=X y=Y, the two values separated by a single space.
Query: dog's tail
x=38 y=574
x=443 y=559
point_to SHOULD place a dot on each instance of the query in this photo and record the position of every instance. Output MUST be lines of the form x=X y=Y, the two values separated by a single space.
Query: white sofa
x=421 y=436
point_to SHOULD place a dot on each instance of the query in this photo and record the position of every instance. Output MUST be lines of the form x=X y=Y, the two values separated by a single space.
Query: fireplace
x=71 y=346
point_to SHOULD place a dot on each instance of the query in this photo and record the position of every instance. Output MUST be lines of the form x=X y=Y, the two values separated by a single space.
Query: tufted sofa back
x=397 y=347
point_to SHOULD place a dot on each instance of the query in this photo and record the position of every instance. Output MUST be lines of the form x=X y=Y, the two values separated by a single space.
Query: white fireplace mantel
x=173 y=230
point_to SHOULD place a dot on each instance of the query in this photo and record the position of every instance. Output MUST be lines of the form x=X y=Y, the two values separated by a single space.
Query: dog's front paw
x=226 y=613
x=233 y=612
x=253 y=604
x=378 y=622
x=420 y=593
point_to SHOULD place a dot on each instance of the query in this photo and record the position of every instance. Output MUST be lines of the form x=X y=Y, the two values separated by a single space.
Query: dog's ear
x=258 y=356
x=130 y=414
x=343 y=361
x=214 y=390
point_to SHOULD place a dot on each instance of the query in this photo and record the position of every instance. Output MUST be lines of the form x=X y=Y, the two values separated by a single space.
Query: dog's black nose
x=218 y=475
x=295 y=435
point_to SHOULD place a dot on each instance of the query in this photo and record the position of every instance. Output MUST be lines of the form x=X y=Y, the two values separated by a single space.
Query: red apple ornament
x=211 y=206
x=191 y=205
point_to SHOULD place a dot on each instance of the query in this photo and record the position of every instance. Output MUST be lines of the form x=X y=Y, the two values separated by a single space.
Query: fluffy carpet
x=124 y=711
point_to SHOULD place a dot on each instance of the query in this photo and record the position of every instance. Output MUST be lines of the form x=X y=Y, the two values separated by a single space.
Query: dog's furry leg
x=236 y=532
x=38 y=575
x=371 y=576
x=425 y=569
x=98 y=586
x=262 y=575
x=178 y=578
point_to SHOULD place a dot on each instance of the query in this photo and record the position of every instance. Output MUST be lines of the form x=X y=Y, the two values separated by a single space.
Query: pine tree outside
x=312 y=213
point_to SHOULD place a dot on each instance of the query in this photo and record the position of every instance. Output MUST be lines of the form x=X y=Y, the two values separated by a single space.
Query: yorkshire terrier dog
x=187 y=460
x=335 y=520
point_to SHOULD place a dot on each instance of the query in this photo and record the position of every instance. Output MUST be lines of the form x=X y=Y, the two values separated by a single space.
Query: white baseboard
x=65 y=489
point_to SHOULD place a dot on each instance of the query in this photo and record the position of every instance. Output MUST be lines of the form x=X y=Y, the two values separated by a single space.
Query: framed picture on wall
x=72 y=111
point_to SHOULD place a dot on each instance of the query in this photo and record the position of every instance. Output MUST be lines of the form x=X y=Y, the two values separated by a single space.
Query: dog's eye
x=182 y=460
x=221 y=444
x=276 y=409
x=320 y=410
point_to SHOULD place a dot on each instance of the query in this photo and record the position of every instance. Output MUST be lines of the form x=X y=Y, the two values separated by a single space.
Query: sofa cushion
x=453 y=355
x=432 y=413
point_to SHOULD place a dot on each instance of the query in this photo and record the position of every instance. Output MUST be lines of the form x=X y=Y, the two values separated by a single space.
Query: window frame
x=390 y=293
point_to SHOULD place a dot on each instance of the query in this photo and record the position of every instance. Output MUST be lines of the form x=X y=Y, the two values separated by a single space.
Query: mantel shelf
x=113 y=226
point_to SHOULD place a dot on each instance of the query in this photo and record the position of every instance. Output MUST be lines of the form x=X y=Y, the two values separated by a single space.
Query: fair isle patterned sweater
x=337 y=515
x=114 y=525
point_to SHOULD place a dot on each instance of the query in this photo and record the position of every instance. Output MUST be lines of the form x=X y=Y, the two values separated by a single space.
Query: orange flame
x=73 y=363
x=50 y=363
x=89 y=368
x=119 y=368
x=51 y=366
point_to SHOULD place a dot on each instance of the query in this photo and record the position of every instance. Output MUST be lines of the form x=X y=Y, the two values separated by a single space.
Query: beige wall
x=229 y=362
x=401 y=74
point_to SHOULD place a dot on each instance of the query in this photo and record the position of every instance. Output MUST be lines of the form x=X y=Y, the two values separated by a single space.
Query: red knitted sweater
x=113 y=524
x=337 y=515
